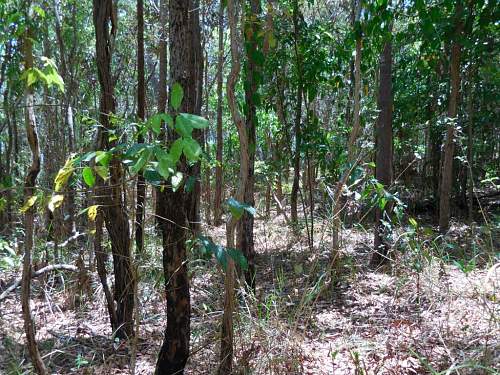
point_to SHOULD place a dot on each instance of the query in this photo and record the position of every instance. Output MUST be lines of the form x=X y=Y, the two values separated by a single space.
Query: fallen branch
x=40 y=272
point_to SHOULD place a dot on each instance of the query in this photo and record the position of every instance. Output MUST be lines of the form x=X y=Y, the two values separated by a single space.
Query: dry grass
x=392 y=321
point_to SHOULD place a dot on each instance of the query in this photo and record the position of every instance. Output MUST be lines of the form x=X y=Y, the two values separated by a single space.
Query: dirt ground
x=301 y=320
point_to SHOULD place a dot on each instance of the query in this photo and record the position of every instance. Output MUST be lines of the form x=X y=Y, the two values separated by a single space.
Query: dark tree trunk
x=110 y=193
x=245 y=225
x=298 y=116
x=383 y=171
x=449 y=146
x=174 y=209
x=220 y=142
x=141 y=115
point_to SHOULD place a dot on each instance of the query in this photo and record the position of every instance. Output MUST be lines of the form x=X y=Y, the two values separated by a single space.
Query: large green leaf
x=176 y=149
x=183 y=127
x=176 y=96
x=88 y=176
x=191 y=149
x=143 y=159
x=237 y=208
x=207 y=246
x=196 y=122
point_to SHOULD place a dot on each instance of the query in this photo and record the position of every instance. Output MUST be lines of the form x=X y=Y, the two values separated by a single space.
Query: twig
x=40 y=272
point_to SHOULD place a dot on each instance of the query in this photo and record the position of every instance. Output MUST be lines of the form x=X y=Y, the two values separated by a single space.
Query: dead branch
x=40 y=272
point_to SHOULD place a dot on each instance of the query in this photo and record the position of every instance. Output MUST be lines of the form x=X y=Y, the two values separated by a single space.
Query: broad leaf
x=237 y=208
x=64 y=174
x=191 y=149
x=176 y=96
x=88 y=176
x=196 y=122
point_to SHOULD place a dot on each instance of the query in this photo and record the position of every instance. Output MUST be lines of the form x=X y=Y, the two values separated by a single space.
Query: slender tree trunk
x=253 y=68
x=67 y=100
x=141 y=116
x=29 y=216
x=383 y=170
x=226 y=349
x=356 y=129
x=220 y=141
x=449 y=146
x=298 y=117
x=110 y=193
x=173 y=208
x=470 y=145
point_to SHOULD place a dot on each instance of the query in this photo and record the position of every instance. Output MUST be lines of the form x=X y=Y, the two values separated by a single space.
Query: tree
x=172 y=206
x=110 y=195
x=384 y=154
x=141 y=116
x=449 y=146
x=218 y=157
x=254 y=61
x=30 y=197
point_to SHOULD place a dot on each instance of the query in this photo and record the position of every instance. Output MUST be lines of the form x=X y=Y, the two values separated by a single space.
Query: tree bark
x=253 y=68
x=141 y=116
x=449 y=146
x=298 y=117
x=220 y=141
x=384 y=153
x=226 y=348
x=174 y=208
x=29 y=216
x=110 y=193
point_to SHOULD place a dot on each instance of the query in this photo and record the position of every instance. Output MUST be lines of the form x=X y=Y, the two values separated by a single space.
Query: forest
x=249 y=187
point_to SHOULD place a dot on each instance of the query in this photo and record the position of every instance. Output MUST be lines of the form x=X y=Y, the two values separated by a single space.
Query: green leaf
x=413 y=222
x=152 y=176
x=176 y=149
x=143 y=159
x=103 y=158
x=102 y=171
x=238 y=258
x=183 y=127
x=88 y=176
x=196 y=122
x=191 y=149
x=208 y=246
x=166 y=164
x=237 y=208
x=221 y=253
x=176 y=96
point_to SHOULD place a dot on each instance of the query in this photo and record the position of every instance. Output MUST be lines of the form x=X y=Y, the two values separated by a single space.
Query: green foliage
x=208 y=248
x=238 y=208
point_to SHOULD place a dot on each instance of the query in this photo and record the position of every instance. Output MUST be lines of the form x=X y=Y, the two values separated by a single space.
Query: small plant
x=80 y=361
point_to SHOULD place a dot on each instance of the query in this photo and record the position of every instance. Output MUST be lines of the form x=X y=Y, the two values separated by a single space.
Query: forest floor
x=388 y=321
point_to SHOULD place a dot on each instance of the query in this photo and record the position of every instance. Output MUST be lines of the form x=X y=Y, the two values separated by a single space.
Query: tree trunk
x=220 y=141
x=226 y=348
x=29 y=216
x=449 y=146
x=383 y=170
x=298 y=116
x=470 y=145
x=253 y=68
x=110 y=193
x=173 y=209
x=141 y=115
